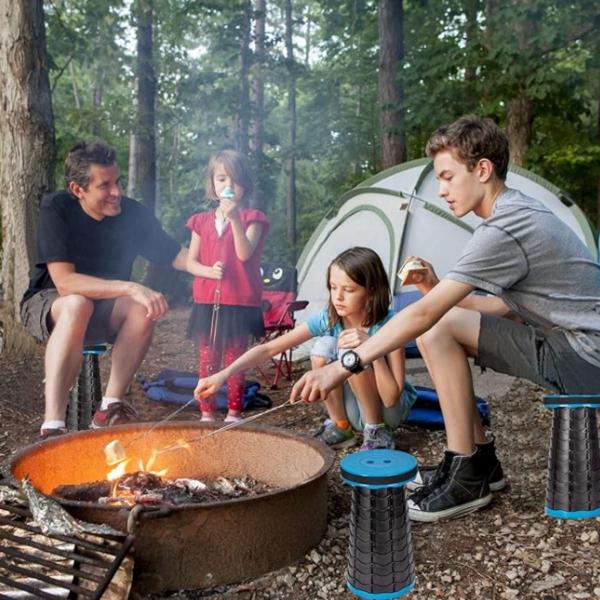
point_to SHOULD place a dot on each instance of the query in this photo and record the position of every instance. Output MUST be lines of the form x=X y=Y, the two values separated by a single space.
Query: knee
x=137 y=319
x=434 y=336
x=75 y=308
x=323 y=351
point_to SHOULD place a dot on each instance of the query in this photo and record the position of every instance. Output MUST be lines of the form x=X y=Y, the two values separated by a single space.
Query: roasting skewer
x=115 y=451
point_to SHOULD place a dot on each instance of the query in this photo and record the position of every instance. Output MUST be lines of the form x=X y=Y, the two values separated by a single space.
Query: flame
x=119 y=470
x=123 y=467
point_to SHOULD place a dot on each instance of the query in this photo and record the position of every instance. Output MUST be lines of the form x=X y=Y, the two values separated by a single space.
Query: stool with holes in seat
x=380 y=554
x=573 y=489
x=86 y=394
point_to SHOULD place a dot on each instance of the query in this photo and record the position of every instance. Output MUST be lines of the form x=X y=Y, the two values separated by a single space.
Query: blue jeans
x=326 y=347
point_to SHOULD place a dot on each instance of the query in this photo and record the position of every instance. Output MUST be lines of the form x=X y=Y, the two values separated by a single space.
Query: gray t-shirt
x=528 y=257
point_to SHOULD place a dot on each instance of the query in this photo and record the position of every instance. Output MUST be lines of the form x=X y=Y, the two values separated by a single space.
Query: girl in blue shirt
x=377 y=399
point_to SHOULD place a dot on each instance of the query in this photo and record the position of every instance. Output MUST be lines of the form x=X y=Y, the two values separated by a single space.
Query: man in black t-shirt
x=80 y=292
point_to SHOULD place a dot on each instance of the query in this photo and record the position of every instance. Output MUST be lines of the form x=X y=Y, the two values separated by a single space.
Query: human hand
x=218 y=270
x=352 y=338
x=154 y=302
x=424 y=280
x=229 y=208
x=316 y=384
x=208 y=386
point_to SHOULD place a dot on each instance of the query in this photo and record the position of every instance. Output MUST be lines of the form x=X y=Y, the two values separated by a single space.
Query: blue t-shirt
x=318 y=325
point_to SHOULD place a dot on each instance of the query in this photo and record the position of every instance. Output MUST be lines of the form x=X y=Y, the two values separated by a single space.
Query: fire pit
x=200 y=545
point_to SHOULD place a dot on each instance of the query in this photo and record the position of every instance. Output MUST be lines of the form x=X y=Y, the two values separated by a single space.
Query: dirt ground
x=507 y=551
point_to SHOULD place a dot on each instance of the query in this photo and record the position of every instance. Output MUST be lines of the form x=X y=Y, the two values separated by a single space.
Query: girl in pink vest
x=225 y=253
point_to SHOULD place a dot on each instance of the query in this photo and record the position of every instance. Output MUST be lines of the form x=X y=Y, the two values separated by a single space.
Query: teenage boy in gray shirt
x=543 y=323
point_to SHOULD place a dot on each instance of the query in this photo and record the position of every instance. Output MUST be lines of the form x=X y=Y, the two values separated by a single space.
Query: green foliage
x=453 y=64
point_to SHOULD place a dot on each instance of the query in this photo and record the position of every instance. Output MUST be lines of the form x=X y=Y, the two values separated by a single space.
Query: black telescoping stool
x=573 y=490
x=380 y=554
x=86 y=394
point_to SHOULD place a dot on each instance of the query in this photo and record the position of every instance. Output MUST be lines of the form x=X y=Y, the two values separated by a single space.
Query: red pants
x=211 y=360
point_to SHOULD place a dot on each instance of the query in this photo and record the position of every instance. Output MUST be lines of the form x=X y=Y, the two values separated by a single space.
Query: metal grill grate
x=36 y=565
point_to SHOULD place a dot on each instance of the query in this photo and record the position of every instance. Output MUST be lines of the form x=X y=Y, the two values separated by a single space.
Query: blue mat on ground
x=427 y=413
x=177 y=387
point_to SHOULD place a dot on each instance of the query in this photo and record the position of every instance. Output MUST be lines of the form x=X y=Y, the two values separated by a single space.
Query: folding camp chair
x=279 y=308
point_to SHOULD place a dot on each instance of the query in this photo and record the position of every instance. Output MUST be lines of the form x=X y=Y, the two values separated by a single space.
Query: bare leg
x=70 y=316
x=445 y=349
x=128 y=318
x=365 y=389
x=334 y=403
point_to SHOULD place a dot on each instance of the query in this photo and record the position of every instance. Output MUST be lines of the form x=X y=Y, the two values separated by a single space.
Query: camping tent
x=398 y=213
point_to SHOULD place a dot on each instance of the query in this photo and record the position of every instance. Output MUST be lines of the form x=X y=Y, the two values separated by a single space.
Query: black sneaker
x=490 y=465
x=457 y=488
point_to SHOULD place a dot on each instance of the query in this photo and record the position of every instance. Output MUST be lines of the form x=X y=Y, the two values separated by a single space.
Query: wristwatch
x=351 y=361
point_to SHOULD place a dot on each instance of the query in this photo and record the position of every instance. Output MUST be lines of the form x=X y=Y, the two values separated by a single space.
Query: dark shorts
x=35 y=316
x=542 y=356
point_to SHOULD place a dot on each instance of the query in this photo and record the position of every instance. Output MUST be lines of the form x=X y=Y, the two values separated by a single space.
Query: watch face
x=349 y=359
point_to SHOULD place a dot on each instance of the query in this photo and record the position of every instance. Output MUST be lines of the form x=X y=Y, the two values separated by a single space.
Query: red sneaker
x=117 y=413
x=52 y=432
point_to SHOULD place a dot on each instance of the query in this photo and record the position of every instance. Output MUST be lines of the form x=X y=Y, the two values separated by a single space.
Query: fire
x=123 y=467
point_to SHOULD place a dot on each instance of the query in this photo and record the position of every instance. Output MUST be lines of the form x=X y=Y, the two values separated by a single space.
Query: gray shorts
x=326 y=347
x=542 y=356
x=35 y=316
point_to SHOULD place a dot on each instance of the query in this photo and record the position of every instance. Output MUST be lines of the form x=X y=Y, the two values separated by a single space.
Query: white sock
x=53 y=425
x=107 y=401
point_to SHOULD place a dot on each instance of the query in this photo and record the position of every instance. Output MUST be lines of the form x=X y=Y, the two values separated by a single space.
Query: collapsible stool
x=573 y=490
x=380 y=554
x=86 y=395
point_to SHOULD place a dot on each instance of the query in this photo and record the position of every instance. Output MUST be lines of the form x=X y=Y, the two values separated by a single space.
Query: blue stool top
x=95 y=349
x=378 y=468
x=572 y=400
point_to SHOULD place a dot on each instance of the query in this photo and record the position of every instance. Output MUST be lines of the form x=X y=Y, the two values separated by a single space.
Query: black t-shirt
x=105 y=248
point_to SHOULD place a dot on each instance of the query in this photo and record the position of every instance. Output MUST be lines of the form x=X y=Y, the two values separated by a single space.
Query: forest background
x=320 y=94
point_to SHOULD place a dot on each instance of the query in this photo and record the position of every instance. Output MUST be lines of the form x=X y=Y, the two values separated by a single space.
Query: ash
x=143 y=487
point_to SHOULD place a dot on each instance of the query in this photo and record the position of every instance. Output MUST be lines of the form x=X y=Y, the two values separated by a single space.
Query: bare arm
x=406 y=325
x=245 y=242
x=180 y=261
x=195 y=267
x=252 y=358
x=68 y=281
x=490 y=305
x=389 y=377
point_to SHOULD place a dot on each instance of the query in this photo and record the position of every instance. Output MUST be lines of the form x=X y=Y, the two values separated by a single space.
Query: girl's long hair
x=365 y=268
x=236 y=166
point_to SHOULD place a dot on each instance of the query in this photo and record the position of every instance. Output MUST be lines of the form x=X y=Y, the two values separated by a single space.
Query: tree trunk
x=471 y=13
x=520 y=109
x=132 y=176
x=598 y=136
x=243 y=126
x=146 y=97
x=391 y=55
x=97 y=94
x=258 y=128
x=291 y=160
x=27 y=153
x=519 y=123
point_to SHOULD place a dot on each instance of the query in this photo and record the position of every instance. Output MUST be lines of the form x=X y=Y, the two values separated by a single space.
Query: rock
x=315 y=556
x=511 y=574
x=546 y=566
x=548 y=583
x=594 y=536
x=597 y=592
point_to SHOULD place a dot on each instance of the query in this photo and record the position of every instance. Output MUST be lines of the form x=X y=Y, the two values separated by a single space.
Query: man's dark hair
x=470 y=139
x=82 y=155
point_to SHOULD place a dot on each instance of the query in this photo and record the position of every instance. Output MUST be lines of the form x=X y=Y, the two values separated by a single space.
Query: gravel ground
x=506 y=551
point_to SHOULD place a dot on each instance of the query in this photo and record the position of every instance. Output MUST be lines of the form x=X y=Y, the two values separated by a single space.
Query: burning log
x=142 y=487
